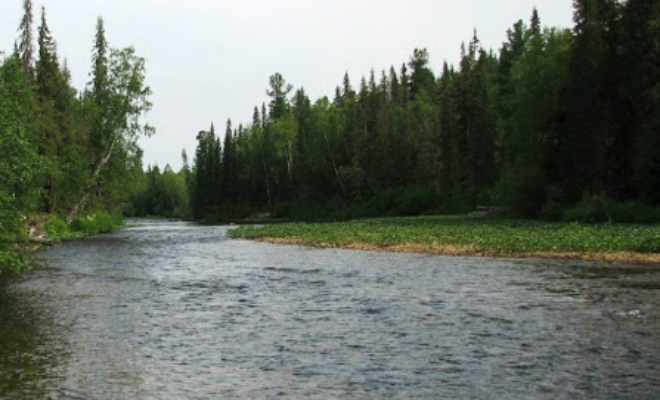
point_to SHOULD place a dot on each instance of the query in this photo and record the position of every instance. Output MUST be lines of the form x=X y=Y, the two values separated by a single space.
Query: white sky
x=209 y=60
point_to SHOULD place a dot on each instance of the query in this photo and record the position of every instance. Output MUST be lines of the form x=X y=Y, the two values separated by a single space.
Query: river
x=170 y=310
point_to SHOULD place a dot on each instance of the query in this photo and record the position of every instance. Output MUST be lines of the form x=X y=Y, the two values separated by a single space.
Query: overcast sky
x=209 y=60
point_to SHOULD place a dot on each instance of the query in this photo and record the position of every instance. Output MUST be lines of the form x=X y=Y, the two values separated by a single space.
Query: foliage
x=14 y=262
x=99 y=222
x=56 y=228
x=60 y=148
x=553 y=114
x=19 y=161
x=600 y=208
x=162 y=194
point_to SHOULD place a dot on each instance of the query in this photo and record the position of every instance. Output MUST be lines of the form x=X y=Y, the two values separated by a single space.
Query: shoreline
x=622 y=257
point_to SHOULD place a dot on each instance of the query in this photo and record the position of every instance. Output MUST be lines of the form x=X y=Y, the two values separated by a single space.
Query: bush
x=101 y=222
x=522 y=191
x=635 y=212
x=599 y=208
x=13 y=262
x=408 y=201
x=551 y=211
x=591 y=209
x=56 y=228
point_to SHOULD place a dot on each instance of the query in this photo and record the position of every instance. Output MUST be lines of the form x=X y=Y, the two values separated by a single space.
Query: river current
x=170 y=310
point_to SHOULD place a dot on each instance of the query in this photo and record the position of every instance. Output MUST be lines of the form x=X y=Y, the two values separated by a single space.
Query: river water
x=168 y=310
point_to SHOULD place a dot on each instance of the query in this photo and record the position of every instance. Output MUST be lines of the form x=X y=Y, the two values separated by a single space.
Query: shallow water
x=172 y=310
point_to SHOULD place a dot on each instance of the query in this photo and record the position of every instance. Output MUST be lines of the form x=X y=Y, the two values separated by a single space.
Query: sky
x=210 y=60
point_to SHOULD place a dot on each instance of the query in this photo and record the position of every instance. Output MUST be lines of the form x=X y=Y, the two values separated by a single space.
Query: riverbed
x=171 y=310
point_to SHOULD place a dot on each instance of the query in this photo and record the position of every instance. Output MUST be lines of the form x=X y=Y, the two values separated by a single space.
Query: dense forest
x=63 y=152
x=557 y=123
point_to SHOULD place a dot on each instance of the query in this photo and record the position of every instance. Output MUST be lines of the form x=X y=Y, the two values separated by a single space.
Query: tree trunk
x=334 y=165
x=88 y=190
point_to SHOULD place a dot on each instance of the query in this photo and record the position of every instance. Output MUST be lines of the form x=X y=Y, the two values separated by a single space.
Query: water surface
x=172 y=310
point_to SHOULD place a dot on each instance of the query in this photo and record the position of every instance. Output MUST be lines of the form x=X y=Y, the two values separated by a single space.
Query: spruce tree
x=26 y=41
x=279 y=90
x=421 y=77
x=592 y=100
x=228 y=165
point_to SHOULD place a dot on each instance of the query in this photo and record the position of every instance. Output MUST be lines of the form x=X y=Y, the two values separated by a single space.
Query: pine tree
x=592 y=100
x=229 y=178
x=99 y=92
x=99 y=62
x=279 y=90
x=48 y=73
x=639 y=108
x=421 y=77
x=26 y=44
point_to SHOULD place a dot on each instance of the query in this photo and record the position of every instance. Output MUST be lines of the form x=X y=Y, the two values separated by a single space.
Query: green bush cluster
x=100 y=222
x=410 y=201
x=14 y=262
x=56 y=228
x=599 y=208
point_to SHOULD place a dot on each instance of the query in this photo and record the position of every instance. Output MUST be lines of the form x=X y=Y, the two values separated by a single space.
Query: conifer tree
x=591 y=99
x=279 y=90
x=229 y=178
x=421 y=77
x=26 y=40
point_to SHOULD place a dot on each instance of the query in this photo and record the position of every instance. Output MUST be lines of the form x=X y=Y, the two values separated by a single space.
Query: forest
x=556 y=124
x=67 y=155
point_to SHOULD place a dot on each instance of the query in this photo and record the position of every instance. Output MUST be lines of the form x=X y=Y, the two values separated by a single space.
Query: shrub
x=591 y=209
x=551 y=211
x=56 y=228
x=101 y=222
x=13 y=262
x=635 y=212
x=522 y=191
x=599 y=208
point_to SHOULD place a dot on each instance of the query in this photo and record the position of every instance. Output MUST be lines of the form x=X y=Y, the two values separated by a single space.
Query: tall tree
x=421 y=77
x=279 y=90
x=26 y=40
x=128 y=101
x=19 y=163
x=592 y=99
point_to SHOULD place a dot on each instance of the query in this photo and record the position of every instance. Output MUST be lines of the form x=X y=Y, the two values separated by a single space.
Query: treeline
x=63 y=151
x=162 y=194
x=556 y=124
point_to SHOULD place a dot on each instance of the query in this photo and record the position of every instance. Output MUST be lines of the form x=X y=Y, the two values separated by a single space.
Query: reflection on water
x=28 y=353
x=171 y=310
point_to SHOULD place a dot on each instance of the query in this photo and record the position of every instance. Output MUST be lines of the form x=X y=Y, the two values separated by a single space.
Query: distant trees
x=161 y=194
x=554 y=116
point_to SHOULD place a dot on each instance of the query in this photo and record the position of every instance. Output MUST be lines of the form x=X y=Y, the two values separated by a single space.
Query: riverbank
x=465 y=236
x=48 y=230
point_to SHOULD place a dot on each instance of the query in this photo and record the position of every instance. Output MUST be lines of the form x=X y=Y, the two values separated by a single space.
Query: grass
x=461 y=235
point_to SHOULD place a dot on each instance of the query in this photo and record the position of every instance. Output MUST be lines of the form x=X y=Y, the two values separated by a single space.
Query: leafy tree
x=19 y=162
x=128 y=101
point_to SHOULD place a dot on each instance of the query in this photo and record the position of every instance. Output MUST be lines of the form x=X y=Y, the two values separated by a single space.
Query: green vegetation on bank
x=56 y=229
x=17 y=256
x=473 y=236
x=65 y=151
